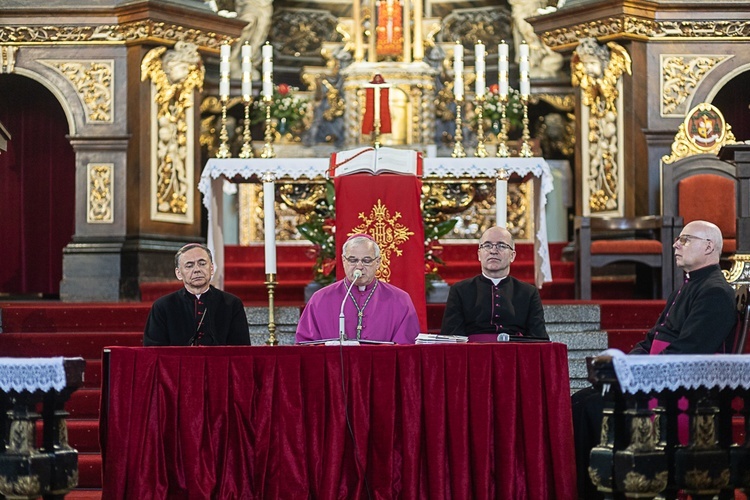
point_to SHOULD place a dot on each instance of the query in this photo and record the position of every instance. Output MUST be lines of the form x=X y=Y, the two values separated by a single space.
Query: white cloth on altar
x=32 y=374
x=649 y=373
x=216 y=170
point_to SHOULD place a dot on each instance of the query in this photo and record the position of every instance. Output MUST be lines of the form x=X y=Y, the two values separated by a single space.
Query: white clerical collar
x=198 y=295
x=495 y=281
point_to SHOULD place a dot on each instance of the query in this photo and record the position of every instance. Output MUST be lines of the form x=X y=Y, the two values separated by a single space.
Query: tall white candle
x=481 y=85
x=502 y=65
x=523 y=68
x=501 y=202
x=458 y=70
x=247 y=68
x=269 y=225
x=267 y=53
x=224 y=71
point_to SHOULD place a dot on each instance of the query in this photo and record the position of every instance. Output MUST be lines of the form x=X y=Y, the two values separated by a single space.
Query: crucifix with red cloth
x=377 y=118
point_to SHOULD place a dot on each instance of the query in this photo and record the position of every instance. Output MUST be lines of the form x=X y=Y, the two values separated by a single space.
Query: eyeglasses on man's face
x=365 y=261
x=684 y=239
x=487 y=246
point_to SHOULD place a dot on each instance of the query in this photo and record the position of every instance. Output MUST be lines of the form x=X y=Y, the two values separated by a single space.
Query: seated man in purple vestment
x=373 y=309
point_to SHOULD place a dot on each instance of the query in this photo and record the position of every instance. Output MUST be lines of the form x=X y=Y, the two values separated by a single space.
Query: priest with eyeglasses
x=373 y=309
x=494 y=302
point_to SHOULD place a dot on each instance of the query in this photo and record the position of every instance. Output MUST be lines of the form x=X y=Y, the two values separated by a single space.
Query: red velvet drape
x=37 y=188
x=387 y=207
x=473 y=421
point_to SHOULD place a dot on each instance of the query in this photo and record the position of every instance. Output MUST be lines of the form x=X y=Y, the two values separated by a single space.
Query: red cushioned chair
x=600 y=241
x=702 y=187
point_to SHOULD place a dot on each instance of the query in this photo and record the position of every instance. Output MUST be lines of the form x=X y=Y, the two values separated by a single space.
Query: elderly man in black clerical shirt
x=198 y=313
x=699 y=318
x=494 y=302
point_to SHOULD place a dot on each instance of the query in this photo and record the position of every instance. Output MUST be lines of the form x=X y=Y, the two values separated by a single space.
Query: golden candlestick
x=376 y=134
x=271 y=285
x=268 y=151
x=502 y=140
x=458 y=147
x=481 y=151
x=247 y=139
x=526 y=151
x=224 y=151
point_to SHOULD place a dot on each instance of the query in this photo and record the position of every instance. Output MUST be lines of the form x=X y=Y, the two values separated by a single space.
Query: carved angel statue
x=257 y=14
x=596 y=69
x=175 y=75
x=543 y=61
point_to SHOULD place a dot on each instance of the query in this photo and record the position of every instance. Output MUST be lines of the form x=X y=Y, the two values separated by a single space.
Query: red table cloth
x=423 y=421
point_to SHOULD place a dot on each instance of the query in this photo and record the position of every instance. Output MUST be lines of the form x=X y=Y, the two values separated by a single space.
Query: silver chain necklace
x=361 y=310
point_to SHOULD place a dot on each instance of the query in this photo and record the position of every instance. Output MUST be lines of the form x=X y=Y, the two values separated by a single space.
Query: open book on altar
x=376 y=161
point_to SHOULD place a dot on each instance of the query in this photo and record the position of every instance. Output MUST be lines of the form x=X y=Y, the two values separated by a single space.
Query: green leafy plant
x=288 y=108
x=320 y=231
x=492 y=109
x=433 y=250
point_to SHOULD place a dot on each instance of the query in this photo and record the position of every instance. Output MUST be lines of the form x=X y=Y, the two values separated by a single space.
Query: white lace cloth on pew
x=680 y=371
x=32 y=374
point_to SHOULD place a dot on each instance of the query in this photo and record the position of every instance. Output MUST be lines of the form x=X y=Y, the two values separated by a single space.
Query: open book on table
x=376 y=161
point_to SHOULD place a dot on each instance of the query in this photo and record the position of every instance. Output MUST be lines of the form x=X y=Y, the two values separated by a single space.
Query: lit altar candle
x=247 y=68
x=267 y=53
x=224 y=72
x=479 y=67
x=269 y=223
x=458 y=70
x=502 y=51
x=523 y=68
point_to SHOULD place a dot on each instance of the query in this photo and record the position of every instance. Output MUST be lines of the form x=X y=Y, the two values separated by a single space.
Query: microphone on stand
x=342 y=327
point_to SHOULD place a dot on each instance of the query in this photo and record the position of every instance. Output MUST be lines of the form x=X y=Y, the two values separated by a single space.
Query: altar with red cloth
x=427 y=421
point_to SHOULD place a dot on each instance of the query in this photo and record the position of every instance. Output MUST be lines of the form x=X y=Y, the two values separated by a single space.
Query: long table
x=425 y=421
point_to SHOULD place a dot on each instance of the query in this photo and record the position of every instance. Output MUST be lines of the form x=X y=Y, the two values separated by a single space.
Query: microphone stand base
x=342 y=342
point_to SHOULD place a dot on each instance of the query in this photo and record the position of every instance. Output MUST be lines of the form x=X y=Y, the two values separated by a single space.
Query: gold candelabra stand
x=503 y=150
x=526 y=151
x=247 y=139
x=224 y=151
x=376 y=134
x=267 y=151
x=271 y=285
x=481 y=151
x=458 y=147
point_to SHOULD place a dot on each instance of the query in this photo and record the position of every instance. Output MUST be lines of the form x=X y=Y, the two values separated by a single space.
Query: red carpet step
x=75 y=330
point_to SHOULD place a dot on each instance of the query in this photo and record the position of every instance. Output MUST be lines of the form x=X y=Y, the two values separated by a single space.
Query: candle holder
x=267 y=151
x=503 y=150
x=271 y=285
x=376 y=133
x=526 y=151
x=247 y=139
x=224 y=151
x=481 y=151
x=458 y=147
